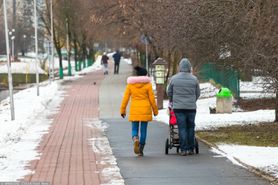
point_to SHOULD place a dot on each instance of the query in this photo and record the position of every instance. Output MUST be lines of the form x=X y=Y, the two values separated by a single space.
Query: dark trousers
x=186 y=126
x=116 y=68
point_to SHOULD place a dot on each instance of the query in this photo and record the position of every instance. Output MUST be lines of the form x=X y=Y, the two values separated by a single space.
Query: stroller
x=173 y=140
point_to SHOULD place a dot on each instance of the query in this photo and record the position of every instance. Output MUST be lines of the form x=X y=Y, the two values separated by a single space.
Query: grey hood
x=185 y=65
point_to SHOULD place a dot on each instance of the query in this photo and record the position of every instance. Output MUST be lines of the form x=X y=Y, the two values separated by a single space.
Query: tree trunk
x=175 y=63
x=69 y=48
x=75 y=45
x=276 y=107
x=60 y=57
x=61 y=73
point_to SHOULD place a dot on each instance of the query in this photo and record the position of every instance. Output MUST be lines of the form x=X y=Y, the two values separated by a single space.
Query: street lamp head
x=24 y=36
x=159 y=61
x=11 y=32
x=160 y=66
x=13 y=37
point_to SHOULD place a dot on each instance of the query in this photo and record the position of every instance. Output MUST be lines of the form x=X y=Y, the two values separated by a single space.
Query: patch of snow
x=223 y=154
x=208 y=90
x=257 y=95
x=127 y=60
x=263 y=158
x=22 y=68
x=101 y=147
x=255 y=89
x=205 y=120
x=96 y=66
x=19 y=138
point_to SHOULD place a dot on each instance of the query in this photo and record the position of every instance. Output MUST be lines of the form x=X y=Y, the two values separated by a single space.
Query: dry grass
x=254 y=135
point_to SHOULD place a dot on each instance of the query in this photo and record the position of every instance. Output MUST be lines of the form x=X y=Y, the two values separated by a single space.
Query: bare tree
x=201 y=30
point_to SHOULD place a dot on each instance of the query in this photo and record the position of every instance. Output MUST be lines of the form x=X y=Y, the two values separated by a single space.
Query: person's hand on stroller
x=170 y=104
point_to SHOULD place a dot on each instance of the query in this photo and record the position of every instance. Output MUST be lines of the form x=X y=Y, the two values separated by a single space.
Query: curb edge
x=252 y=169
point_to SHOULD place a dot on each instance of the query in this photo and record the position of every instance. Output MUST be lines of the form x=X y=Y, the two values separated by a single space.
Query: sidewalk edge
x=252 y=169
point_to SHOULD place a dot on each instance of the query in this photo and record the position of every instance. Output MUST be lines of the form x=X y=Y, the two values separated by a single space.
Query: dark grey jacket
x=183 y=89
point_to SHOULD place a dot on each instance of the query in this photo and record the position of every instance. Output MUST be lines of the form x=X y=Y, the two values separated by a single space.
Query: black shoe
x=141 y=149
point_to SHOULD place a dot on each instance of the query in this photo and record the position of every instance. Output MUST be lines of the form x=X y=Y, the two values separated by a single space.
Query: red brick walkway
x=67 y=157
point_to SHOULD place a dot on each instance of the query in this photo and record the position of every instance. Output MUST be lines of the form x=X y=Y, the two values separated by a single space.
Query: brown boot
x=136 y=144
x=141 y=149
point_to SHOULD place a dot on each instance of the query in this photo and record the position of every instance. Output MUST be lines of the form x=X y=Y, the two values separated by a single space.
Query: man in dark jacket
x=117 y=58
x=183 y=91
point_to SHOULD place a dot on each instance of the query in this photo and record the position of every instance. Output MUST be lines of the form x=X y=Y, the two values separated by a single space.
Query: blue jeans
x=143 y=130
x=186 y=126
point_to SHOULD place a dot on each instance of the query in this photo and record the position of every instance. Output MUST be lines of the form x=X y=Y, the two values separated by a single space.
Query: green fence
x=225 y=76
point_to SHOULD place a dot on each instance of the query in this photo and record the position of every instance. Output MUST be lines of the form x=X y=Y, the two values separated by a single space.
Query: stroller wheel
x=196 y=146
x=167 y=146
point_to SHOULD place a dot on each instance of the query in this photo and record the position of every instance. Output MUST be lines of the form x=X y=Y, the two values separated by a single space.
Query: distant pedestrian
x=104 y=62
x=142 y=107
x=117 y=59
x=183 y=91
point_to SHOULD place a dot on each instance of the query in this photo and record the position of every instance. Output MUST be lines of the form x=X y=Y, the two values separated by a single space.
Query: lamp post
x=11 y=33
x=12 y=38
x=144 y=39
x=52 y=39
x=49 y=62
x=159 y=74
x=24 y=40
x=9 y=62
x=36 y=45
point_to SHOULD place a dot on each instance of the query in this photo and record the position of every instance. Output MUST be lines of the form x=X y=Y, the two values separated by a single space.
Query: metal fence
x=223 y=75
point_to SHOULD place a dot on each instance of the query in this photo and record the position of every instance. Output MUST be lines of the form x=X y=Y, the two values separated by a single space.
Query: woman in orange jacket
x=142 y=106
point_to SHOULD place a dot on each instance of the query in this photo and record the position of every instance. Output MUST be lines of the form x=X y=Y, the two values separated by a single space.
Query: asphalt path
x=4 y=94
x=206 y=168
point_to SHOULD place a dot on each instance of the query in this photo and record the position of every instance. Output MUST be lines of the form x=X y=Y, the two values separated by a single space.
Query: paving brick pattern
x=67 y=157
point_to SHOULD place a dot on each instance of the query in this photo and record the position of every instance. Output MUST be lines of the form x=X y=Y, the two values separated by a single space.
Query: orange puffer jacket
x=143 y=102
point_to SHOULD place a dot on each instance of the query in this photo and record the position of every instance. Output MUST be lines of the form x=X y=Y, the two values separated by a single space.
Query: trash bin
x=224 y=101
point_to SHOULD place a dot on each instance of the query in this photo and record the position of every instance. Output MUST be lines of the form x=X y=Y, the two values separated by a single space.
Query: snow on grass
x=255 y=85
x=19 y=138
x=263 y=158
x=127 y=60
x=205 y=120
x=255 y=89
x=208 y=90
x=109 y=170
x=57 y=63
x=96 y=66
x=257 y=95
x=22 y=67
